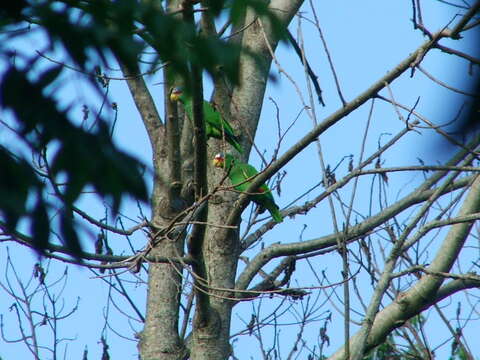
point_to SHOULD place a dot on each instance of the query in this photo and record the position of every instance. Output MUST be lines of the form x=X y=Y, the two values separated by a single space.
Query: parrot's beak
x=218 y=161
x=174 y=96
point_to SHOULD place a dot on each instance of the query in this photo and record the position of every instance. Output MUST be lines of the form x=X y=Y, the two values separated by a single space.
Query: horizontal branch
x=436 y=224
x=418 y=268
x=295 y=210
x=109 y=261
x=351 y=233
x=418 y=297
x=461 y=54
x=331 y=120
x=107 y=227
x=270 y=281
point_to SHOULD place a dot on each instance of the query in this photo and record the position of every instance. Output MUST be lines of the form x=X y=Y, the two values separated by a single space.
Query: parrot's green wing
x=187 y=105
x=239 y=173
x=215 y=125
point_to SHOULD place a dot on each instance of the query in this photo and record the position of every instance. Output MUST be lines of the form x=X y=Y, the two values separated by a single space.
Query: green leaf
x=16 y=181
x=239 y=8
x=215 y=6
x=84 y=159
x=12 y=9
x=49 y=76
x=40 y=225
x=69 y=235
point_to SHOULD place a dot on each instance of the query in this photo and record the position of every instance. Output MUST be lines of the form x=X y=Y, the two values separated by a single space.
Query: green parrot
x=215 y=125
x=242 y=174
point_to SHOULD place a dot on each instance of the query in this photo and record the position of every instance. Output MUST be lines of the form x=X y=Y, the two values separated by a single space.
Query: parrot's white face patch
x=218 y=160
x=175 y=94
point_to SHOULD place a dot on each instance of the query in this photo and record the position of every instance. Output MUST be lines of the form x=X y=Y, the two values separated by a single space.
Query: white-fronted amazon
x=243 y=175
x=215 y=125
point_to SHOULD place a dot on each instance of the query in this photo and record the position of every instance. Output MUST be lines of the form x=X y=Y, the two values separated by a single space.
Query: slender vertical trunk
x=159 y=339
x=212 y=342
x=210 y=338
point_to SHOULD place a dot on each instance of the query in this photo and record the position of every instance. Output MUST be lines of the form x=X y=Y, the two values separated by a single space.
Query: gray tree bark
x=210 y=336
x=420 y=295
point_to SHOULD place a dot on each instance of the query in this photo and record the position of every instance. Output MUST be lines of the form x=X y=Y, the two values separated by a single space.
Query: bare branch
x=334 y=118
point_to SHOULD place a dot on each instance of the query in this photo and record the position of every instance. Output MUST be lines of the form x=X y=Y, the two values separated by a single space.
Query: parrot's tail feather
x=234 y=142
x=277 y=216
x=274 y=211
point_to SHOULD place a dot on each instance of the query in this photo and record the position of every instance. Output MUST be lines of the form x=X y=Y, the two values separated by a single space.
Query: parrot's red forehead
x=219 y=157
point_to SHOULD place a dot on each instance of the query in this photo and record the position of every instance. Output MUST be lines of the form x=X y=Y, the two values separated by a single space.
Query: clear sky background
x=366 y=39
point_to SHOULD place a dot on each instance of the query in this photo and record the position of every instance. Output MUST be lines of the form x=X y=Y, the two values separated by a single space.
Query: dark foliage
x=83 y=158
x=89 y=32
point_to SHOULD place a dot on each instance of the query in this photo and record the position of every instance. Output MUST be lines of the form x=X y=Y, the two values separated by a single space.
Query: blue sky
x=366 y=39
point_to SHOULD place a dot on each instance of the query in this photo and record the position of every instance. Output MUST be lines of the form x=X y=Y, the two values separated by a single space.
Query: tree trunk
x=210 y=339
x=159 y=338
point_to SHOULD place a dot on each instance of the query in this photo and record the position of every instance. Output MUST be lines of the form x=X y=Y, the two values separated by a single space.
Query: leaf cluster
x=91 y=32
x=82 y=159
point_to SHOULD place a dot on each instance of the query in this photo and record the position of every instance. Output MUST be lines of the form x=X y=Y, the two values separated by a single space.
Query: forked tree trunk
x=211 y=339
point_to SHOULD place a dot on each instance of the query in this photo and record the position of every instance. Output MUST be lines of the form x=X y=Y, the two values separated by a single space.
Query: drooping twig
x=311 y=74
